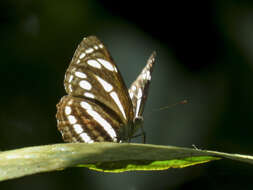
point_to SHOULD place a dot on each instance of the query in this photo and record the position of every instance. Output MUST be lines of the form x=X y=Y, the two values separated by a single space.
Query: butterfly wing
x=138 y=91
x=82 y=120
x=93 y=75
x=97 y=107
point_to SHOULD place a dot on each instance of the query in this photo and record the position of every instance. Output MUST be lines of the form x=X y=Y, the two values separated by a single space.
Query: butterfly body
x=98 y=106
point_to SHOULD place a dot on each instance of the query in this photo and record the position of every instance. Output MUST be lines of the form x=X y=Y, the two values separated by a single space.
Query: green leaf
x=106 y=157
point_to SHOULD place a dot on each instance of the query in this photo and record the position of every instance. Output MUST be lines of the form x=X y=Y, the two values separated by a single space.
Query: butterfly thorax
x=127 y=132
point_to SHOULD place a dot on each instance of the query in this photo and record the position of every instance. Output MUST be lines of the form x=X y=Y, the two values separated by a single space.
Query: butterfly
x=99 y=107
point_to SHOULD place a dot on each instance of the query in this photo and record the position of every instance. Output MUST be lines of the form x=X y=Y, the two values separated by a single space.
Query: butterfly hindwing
x=82 y=120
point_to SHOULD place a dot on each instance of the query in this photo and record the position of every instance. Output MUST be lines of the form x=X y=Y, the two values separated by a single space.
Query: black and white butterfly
x=98 y=106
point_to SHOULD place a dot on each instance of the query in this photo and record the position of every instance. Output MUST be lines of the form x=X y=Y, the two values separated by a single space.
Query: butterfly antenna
x=185 y=101
x=172 y=105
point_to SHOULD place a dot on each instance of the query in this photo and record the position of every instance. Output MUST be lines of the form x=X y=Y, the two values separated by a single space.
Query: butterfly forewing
x=92 y=74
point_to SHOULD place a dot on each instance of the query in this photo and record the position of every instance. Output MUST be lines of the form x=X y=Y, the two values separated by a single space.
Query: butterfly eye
x=98 y=106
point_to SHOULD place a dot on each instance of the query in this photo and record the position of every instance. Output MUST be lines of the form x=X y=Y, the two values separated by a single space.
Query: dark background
x=204 y=54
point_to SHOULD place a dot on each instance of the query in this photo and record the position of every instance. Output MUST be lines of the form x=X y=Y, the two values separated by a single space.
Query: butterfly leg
x=143 y=133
